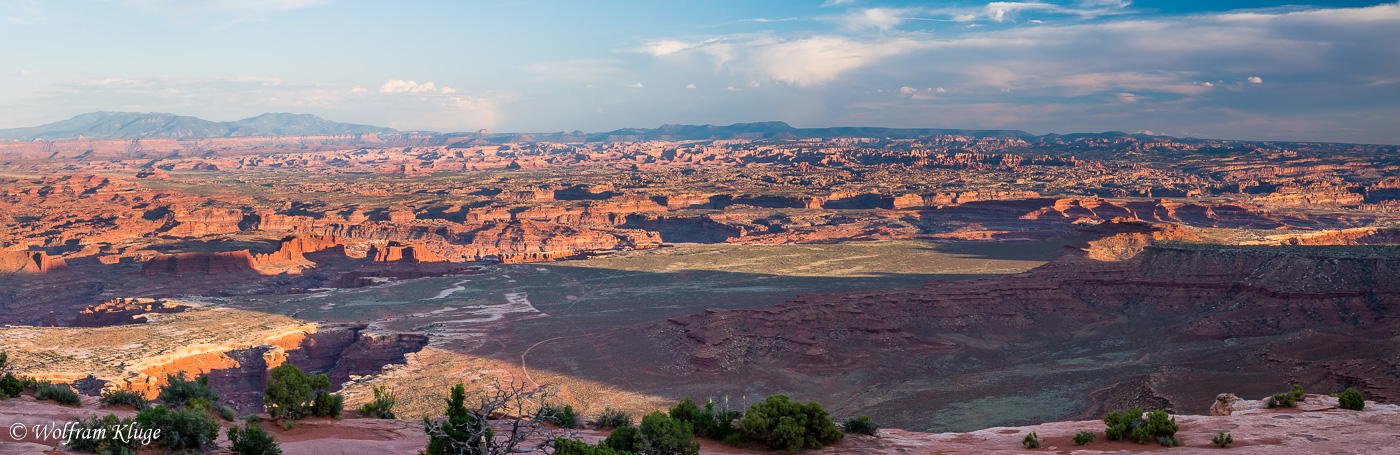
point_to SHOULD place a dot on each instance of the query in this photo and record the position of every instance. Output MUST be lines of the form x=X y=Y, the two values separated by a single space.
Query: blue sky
x=1226 y=69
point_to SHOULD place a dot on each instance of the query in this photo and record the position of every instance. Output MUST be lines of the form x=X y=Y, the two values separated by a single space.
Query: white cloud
x=941 y=90
x=1255 y=80
x=764 y=20
x=402 y=86
x=636 y=85
x=877 y=18
x=830 y=3
x=689 y=85
x=820 y=59
x=907 y=90
x=666 y=47
x=265 y=81
x=358 y=89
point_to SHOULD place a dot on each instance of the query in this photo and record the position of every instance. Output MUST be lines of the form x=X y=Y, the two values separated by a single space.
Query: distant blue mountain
x=133 y=125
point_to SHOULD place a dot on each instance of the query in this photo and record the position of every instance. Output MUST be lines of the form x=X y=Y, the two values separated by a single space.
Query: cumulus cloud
x=907 y=90
x=1255 y=80
x=636 y=85
x=689 y=85
x=402 y=86
x=876 y=18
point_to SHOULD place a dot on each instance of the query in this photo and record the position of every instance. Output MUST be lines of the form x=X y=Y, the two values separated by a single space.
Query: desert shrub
x=1352 y=399
x=1084 y=437
x=565 y=417
x=252 y=439
x=113 y=397
x=288 y=392
x=226 y=413
x=1120 y=424
x=383 y=405
x=59 y=393
x=291 y=394
x=782 y=424
x=1131 y=425
x=1031 y=441
x=178 y=392
x=328 y=405
x=860 y=424
x=662 y=435
x=200 y=404
x=564 y=446
x=624 y=440
x=1223 y=439
x=1287 y=399
x=708 y=423
x=34 y=384
x=463 y=432
x=612 y=418
x=182 y=430
x=95 y=434
x=11 y=386
x=325 y=403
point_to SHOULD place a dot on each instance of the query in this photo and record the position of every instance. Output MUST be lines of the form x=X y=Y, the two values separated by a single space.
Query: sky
x=1231 y=69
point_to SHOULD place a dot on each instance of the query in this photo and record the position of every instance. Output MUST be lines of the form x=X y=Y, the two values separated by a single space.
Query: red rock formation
x=395 y=251
x=292 y=249
x=28 y=262
x=200 y=264
x=1123 y=238
x=123 y=311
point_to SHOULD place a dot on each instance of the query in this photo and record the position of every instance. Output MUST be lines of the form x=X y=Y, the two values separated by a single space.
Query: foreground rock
x=1316 y=426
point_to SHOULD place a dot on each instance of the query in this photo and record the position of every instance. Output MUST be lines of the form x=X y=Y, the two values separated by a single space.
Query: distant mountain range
x=132 y=125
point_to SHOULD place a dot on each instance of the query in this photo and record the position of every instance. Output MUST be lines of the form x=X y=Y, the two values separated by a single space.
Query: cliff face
x=1189 y=317
x=239 y=374
x=28 y=262
x=222 y=263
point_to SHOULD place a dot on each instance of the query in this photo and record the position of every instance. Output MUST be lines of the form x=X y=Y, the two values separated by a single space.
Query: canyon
x=940 y=281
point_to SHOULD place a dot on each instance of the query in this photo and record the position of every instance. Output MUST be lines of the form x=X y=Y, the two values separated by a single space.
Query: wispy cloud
x=1171 y=69
x=765 y=20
